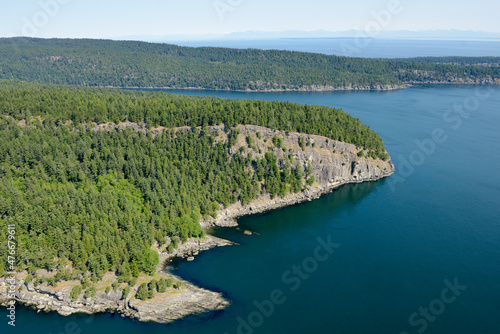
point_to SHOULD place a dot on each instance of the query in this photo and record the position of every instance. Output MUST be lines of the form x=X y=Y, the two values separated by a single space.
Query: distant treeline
x=456 y=60
x=100 y=199
x=140 y=64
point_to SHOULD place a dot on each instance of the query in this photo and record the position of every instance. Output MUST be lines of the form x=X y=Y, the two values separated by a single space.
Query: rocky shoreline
x=318 y=88
x=312 y=88
x=163 y=308
x=166 y=307
x=192 y=248
x=229 y=216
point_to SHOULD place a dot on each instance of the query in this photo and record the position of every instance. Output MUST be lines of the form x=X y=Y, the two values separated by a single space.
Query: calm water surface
x=368 y=48
x=397 y=240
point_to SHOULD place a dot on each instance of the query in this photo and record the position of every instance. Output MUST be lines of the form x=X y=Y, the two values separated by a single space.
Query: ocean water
x=417 y=252
x=367 y=48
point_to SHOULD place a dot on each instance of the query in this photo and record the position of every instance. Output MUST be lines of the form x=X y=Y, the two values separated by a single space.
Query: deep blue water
x=368 y=48
x=397 y=240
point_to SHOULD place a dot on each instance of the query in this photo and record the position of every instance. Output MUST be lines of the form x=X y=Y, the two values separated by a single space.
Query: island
x=103 y=187
x=130 y=64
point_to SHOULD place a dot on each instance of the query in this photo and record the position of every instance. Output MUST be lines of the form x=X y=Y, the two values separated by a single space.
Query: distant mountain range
x=255 y=35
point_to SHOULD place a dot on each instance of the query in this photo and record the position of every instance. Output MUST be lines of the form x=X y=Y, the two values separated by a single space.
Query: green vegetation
x=59 y=104
x=100 y=199
x=138 y=64
x=148 y=290
x=144 y=292
x=310 y=181
x=75 y=292
x=178 y=285
x=457 y=60
x=28 y=279
x=126 y=291
x=90 y=292
x=278 y=141
x=164 y=283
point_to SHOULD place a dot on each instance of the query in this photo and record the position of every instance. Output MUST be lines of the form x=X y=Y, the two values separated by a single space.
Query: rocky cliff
x=333 y=163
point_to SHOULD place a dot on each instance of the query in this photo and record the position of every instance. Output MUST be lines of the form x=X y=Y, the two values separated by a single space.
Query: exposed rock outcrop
x=193 y=247
x=333 y=163
x=164 y=307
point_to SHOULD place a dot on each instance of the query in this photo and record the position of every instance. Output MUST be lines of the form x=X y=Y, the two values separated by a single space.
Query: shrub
x=90 y=292
x=162 y=285
x=75 y=292
x=170 y=282
x=52 y=281
x=85 y=283
x=123 y=279
x=143 y=292
x=178 y=285
x=63 y=275
x=28 y=279
x=310 y=181
x=175 y=241
x=133 y=281
x=153 y=285
x=126 y=291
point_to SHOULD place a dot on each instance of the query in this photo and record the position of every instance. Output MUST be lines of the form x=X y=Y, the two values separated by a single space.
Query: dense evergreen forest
x=456 y=60
x=100 y=199
x=140 y=64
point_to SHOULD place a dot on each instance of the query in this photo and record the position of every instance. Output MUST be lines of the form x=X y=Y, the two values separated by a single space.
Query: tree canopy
x=101 y=199
x=102 y=63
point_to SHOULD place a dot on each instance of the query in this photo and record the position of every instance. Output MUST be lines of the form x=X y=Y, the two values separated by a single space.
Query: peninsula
x=104 y=187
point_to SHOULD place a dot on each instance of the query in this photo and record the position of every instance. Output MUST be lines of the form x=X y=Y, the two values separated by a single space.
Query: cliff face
x=333 y=163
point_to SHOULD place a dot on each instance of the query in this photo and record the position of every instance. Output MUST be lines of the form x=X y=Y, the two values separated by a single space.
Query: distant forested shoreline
x=126 y=64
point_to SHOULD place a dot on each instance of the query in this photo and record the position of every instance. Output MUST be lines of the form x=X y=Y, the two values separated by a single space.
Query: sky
x=114 y=19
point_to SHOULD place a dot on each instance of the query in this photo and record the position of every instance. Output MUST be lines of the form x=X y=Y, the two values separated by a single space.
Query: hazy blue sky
x=112 y=18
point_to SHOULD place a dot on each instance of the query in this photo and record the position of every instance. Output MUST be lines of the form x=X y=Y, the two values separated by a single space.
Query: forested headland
x=105 y=63
x=99 y=200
